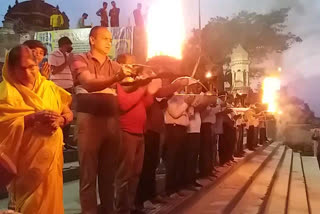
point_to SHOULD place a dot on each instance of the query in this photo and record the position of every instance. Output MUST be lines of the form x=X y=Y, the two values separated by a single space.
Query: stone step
x=251 y=202
x=297 y=198
x=224 y=197
x=70 y=156
x=312 y=178
x=71 y=171
x=277 y=199
x=179 y=205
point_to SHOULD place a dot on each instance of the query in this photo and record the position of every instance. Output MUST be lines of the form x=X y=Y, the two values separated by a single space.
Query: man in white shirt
x=59 y=61
x=239 y=135
x=262 y=129
x=61 y=74
x=231 y=132
x=192 y=147
x=250 y=117
x=176 y=122
x=208 y=145
x=147 y=193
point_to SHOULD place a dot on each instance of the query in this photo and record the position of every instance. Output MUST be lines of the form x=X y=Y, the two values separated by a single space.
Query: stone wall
x=7 y=41
x=298 y=137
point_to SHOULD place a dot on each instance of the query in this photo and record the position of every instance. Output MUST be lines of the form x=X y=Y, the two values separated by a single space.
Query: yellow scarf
x=34 y=155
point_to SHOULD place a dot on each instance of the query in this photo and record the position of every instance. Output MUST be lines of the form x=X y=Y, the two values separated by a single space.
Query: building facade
x=32 y=15
x=239 y=70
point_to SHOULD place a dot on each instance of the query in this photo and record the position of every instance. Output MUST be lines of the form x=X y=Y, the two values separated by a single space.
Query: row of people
x=201 y=132
x=118 y=133
x=57 y=20
x=34 y=111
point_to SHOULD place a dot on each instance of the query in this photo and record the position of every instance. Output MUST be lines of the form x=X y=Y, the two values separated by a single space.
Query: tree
x=259 y=34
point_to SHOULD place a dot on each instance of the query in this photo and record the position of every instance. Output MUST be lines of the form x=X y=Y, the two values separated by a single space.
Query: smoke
x=300 y=64
x=297 y=5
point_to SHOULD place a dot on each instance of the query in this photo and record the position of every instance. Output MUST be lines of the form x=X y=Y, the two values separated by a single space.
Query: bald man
x=94 y=76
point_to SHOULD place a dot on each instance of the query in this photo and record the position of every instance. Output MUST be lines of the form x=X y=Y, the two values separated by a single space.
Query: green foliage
x=259 y=34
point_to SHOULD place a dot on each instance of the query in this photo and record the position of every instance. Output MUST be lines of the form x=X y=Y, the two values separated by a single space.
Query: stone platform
x=272 y=179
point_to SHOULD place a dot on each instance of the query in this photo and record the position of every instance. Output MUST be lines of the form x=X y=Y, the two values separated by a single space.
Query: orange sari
x=38 y=186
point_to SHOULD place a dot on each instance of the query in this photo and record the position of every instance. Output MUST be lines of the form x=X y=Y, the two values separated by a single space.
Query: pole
x=198 y=62
x=199 y=14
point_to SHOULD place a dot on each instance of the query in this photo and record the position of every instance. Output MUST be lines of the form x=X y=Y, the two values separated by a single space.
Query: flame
x=271 y=86
x=165 y=29
x=208 y=75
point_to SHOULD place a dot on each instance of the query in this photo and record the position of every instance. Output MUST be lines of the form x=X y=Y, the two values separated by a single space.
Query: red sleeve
x=148 y=100
x=128 y=100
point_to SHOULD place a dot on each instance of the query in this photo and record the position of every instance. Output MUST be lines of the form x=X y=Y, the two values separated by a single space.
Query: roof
x=33 y=14
x=34 y=7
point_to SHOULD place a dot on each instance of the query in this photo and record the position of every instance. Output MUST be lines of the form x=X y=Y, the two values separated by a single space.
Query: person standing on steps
x=95 y=77
x=138 y=18
x=146 y=193
x=102 y=12
x=114 y=15
x=61 y=75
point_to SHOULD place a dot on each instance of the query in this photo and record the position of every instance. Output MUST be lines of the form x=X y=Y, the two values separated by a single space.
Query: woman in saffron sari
x=32 y=112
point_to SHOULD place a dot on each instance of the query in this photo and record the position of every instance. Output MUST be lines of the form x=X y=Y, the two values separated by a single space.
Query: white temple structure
x=239 y=67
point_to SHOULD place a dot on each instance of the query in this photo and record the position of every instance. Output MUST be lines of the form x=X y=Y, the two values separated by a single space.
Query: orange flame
x=271 y=86
x=165 y=29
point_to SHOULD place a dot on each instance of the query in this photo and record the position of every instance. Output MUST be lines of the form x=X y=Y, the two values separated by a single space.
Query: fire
x=271 y=86
x=165 y=28
x=208 y=75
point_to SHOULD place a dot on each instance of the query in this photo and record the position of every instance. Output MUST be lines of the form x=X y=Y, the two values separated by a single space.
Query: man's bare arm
x=92 y=84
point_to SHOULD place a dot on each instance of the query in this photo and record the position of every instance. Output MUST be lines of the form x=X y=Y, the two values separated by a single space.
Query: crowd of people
x=57 y=20
x=114 y=14
x=119 y=128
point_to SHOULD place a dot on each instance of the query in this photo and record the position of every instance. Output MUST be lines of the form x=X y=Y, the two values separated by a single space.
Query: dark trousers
x=147 y=185
x=239 y=141
x=230 y=136
x=214 y=148
x=241 y=136
x=206 y=150
x=192 y=156
x=174 y=157
x=263 y=136
x=250 y=137
x=128 y=172
x=66 y=133
x=222 y=147
x=226 y=144
x=66 y=129
x=256 y=136
x=98 y=142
